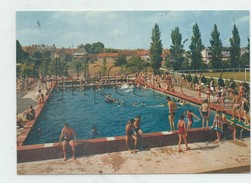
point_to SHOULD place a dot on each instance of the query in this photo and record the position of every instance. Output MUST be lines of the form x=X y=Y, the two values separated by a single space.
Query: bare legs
x=180 y=140
x=72 y=144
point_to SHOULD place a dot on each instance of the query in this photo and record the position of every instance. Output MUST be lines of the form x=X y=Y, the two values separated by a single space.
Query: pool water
x=83 y=109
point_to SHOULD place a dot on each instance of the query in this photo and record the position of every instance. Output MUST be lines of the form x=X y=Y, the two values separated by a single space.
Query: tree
x=136 y=64
x=97 y=47
x=176 y=49
x=235 y=48
x=20 y=53
x=120 y=60
x=104 y=67
x=246 y=57
x=221 y=82
x=196 y=47
x=88 y=48
x=216 y=49
x=156 y=49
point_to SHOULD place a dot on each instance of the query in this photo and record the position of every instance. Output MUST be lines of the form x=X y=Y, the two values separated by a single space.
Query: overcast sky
x=124 y=29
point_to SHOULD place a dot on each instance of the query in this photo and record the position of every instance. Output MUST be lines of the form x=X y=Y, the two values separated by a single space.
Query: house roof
x=29 y=49
x=143 y=53
x=107 y=54
x=80 y=51
x=128 y=52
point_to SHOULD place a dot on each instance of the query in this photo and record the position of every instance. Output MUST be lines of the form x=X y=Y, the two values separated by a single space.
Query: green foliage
x=195 y=79
x=21 y=55
x=26 y=70
x=189 y=78
x=98 y=47
x=221 y=82
x=246 y=86
x=232 y=84
x=104 y=67
x=203 y=79
x=216 y=49
x=235 y=47
x=120 y=60
x=196 y=47
x=176 y=49
x=156 y=49
x=135 y=64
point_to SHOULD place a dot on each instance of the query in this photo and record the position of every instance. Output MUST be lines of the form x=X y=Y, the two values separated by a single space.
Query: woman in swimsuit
x=190 y=116
x=182 y=131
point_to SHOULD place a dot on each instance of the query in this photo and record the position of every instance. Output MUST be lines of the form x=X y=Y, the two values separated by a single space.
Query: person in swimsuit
x=182 y=132
x=30 y=113
x=68 y=136
x=190 y=116
x=130 y=136
x=172 y=107
x=244 y=107
x=137 y=130
x=204 y=111
x=218 y=125
x=239 y=106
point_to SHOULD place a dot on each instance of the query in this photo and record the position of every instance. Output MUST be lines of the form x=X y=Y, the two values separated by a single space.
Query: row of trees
x=192 y=59
x=178 y=59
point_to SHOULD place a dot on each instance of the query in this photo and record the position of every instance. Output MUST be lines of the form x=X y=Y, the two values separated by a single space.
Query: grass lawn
x=228 y=75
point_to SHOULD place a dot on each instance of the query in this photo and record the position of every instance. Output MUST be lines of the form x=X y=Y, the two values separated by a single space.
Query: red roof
x=107 y=54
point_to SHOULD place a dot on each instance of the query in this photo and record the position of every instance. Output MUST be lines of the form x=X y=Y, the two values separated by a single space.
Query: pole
x=56 y=68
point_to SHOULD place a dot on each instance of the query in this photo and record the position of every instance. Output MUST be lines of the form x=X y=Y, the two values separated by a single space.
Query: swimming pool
x=83 y=109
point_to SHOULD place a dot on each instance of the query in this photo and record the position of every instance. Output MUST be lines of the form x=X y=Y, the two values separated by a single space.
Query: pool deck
x=228 y=156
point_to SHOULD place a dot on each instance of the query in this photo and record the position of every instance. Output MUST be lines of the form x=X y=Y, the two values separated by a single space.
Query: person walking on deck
x=182 y=132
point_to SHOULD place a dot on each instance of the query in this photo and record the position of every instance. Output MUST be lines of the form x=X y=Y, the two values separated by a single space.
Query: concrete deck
x=208 y=157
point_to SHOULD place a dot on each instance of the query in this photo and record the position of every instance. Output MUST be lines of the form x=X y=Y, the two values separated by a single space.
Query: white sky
x=125 y=29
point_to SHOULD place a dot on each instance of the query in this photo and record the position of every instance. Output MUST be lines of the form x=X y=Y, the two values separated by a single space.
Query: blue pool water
x=84 y=108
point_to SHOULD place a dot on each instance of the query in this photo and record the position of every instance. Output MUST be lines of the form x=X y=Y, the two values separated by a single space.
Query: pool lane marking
x=48 y=145
x=110 y=138
x=166 y=132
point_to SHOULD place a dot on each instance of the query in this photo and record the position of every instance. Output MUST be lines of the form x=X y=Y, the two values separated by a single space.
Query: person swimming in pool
x=68 y=136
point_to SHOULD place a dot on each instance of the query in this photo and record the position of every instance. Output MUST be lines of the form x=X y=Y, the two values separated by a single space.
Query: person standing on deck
x=218 y=125
x=204 y=111
x=182 y=132
x=172 y=107
x=69 y=136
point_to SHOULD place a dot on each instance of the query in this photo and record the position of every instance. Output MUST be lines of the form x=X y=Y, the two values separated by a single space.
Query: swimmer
x=94 y=130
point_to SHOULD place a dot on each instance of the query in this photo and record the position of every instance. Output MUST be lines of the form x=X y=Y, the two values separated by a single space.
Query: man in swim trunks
x=172 y=107
x=130 y=135
x=69 y=137
x=137 y=130
x=204 y=111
